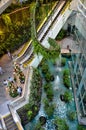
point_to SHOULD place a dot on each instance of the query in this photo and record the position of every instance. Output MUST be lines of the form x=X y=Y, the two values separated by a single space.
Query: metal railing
x=82 y=8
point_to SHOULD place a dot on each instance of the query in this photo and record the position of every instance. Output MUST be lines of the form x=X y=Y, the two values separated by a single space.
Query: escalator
x=41 y=34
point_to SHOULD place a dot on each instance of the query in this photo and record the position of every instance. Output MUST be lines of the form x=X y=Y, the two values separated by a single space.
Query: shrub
x=61 y=124
x=49 y=108
x=71 y=115
x=67 y=96
x=30 y=114
x=38 y=126
x=49 y=77
x=61 y=35
x=47 y=86
x=14 y=94
x=63 y=61
x=80 y=127
x=46 y=102
x=45 y=69
x=49 y=93
x=66 y=78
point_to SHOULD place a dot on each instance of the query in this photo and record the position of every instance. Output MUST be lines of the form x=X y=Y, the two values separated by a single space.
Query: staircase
x=9 y=122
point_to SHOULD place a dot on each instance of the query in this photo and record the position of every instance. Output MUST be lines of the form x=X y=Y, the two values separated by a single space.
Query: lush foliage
x=38 y=126
x=28 y=112
x=14 y=34
x=63 y=61
x=49 y=107
x=61 y=124
x=80 y=127
x=67 y=96
x=49 y=91
x=71 y=115
x=16 y=27
x=61 y=35
x=44 y=68
x=52 y=52
x=12 y=90
x=48 y=54
x=66 y=78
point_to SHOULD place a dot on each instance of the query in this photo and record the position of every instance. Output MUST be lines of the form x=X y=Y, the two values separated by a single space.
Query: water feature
x=61 y=108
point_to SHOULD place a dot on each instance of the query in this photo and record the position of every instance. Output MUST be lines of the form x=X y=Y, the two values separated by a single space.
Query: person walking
x=19 y=90
x=9 y=54
x=1 y=70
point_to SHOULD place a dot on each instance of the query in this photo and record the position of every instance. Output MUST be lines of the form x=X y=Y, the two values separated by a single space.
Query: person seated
x=5 y=82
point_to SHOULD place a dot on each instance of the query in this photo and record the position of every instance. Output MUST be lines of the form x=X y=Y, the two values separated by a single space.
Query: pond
x=61 y=108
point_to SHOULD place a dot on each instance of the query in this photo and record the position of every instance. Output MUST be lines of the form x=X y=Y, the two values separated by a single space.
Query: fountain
x=61 y=108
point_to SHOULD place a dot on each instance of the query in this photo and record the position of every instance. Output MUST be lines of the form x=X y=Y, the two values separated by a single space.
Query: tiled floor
x=7 y=67
x=69 y=41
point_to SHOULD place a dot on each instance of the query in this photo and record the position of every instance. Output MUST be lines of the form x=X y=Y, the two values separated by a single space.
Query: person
x=19 y=90
x=5 y=82
x=9 y=54
x=69 y=29
x=1 y=71
x=10 y=79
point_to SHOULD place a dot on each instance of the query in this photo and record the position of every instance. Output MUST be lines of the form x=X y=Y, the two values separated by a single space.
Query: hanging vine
x=54 y=50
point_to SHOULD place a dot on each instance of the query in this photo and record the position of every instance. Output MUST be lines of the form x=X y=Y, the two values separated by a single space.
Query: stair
x=9 y=122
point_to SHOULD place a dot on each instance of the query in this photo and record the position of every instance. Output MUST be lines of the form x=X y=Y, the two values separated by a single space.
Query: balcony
x=82 y=7
x=4 y=4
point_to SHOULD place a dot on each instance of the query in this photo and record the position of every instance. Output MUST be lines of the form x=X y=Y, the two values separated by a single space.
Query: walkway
x=6 y=65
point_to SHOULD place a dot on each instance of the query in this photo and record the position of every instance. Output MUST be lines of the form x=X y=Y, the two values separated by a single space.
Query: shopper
x=19 y=90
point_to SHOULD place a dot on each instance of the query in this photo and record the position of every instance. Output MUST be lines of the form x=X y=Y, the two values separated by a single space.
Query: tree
x=60 y=124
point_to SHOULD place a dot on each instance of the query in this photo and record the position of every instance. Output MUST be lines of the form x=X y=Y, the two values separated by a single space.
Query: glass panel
x=82 y=90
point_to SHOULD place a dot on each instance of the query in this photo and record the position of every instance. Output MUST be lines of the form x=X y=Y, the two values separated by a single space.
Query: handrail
x=2 y=123
x=16 y=118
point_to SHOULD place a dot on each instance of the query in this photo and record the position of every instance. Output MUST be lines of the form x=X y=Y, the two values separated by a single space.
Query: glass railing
x=83 y=2
x=82 y=7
